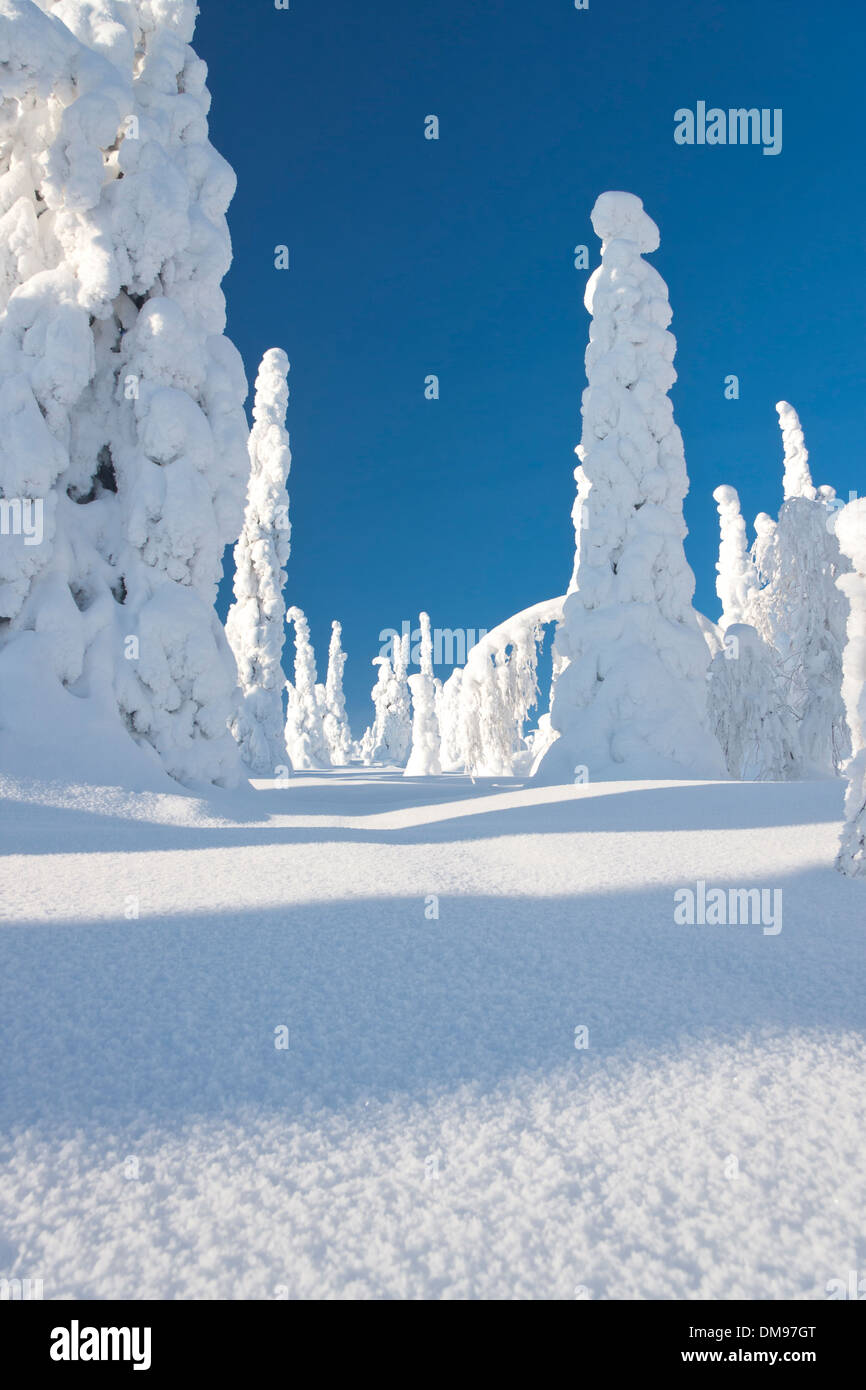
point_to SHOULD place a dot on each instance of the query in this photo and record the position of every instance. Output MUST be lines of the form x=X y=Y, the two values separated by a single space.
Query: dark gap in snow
x=105 y=473
x=118 y=590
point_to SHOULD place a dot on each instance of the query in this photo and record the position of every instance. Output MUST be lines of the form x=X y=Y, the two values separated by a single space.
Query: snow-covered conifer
x=424 y=755
x=389 y=737
x=851 y=533
x=305 y=736
x=121 y=400
x=737 y=576
x=756 y=729
x=630 y=697
x=797 y=479
x=336 y=726
x=256 y=620
x=799 y=610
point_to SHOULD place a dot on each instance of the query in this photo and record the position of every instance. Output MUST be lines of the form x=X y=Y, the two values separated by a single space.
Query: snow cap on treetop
x=621 y=216
x=798 y=477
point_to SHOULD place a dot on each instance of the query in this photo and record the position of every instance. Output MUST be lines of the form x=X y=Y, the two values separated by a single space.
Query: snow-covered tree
x=256 y=620
x=336 y=726
x=797 y=477
x=851 y=532
x=737 y=576
x=424 y=754
x=305 y=734
x=756 y=729
x=630 y=696
x=388 y=738
x=799 y=610
x=121 y=400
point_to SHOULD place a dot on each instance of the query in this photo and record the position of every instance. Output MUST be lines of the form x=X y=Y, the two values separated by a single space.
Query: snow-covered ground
x=431 y=1129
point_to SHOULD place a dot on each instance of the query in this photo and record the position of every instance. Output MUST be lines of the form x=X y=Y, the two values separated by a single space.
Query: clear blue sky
x=454 y=257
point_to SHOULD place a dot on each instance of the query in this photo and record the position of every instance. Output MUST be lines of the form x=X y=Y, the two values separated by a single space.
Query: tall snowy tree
x=305 y=734
x=749 y=710
x=749 y=715
x=851 y=533
x=424 y=754
x=630 y=698
x=389 y=737
x=256 y=620
x=737 y=576
x=334 y=722
x=121 y=400
x=799 y=609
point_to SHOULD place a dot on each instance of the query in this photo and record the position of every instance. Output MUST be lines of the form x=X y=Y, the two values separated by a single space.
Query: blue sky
x=455 y=257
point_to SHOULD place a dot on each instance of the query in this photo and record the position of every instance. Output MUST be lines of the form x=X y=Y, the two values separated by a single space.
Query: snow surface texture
x=121 y=400
x=431 y=1130
x=851 y=533
x=629 y=697
x=255 y=625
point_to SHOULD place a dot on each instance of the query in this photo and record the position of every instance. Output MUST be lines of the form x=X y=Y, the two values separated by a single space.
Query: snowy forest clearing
x=433 y=1125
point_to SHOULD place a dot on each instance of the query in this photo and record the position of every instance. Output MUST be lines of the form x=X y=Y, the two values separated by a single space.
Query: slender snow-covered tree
x=799 y=610
x=630 y=696
x=256 y=620
x=797 y=478
x=754 y=725
x=334 y=722
x=121 y=400
x=737 y=576
x=305 y=734
x=424 y=755
x=389 y=737
x=851 y=533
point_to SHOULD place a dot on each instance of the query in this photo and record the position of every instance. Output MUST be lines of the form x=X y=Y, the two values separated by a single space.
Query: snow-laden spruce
x=748 y=705
x=424 y=754
x=737 y=578
x=851 y=533
x=629 y=698
x=255 y=625
x=483 y=707
x=388 y=739
x=121 y=400
x=799 y=610
x=305 y=734
x=797 y=477
x=749 y=715
x=338 y=735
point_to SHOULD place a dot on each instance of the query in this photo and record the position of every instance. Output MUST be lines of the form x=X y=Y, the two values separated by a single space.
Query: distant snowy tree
x=449 y=719
x=630 y=697
x=424 y=755
x=799 y=609
x=389 y=737
x=120 y=398
x=756 y=729
x=305 y=734
x=850 y=528
x=737 y=576
x=256 y=620
x=797 y=479
x=336 y=726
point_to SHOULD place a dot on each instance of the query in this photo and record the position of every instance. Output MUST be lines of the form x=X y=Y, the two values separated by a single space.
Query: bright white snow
x=431 y=1130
